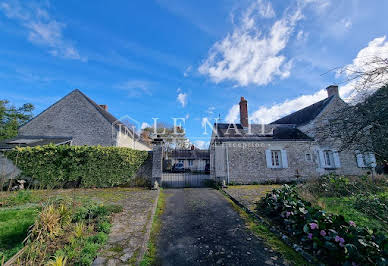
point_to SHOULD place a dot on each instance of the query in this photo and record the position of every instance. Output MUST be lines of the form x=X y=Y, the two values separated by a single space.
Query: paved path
x=200 y=227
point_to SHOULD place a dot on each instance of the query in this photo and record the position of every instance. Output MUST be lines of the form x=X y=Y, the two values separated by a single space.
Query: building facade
x=79 y=119
x=288 y=149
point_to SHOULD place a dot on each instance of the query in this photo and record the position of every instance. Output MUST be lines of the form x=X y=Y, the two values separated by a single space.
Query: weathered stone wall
x=157 y=162
x=73 y=116
x=318 y=131
x=246 y=162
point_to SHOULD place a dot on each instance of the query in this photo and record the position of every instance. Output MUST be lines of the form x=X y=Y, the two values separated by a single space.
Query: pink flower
x=339 y=239
x=310 y=236
x=313 y=226
x=352 y=223
x=323 y=233
x=288 y=214
x=341 y=245
x=274 y=197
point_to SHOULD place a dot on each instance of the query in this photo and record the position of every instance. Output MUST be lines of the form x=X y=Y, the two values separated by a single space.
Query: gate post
x=157 y=163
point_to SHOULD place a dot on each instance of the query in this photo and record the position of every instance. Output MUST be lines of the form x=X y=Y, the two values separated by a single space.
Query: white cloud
x=187 y=71
x=42 y=29
x=372 y=57
x=135 y=88
x=201 y=144
x=145 y=125
x=265 y=9
x=250 y=54
x=182 y=98
x=302 y=36
x=268 y=114
x=346 y=22
x=377 y=48
x=233 y=114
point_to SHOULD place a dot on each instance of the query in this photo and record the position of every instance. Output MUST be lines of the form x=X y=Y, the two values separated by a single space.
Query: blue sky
x=191 y=59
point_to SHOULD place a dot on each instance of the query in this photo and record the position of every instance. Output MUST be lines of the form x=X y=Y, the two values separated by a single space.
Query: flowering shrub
x=329 y=237
x=341 y=186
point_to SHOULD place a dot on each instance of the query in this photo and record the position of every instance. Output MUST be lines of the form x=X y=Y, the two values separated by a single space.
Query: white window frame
x=329 y=158
x=276 y=159
x=366 y=160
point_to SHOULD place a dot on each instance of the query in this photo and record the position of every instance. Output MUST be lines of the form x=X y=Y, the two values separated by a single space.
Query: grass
x=150 y=257
x=18 y=211
x=14 y=225
x=258 y=187
x=270 y=239
x=344 y=206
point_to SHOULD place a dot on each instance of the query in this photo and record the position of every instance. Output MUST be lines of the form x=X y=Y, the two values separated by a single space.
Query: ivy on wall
x=84 y=166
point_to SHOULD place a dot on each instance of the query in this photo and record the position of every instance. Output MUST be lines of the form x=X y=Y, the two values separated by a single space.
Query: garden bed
x=19 y=210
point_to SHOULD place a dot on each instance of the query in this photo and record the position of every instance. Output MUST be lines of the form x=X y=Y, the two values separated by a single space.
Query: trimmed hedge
x=78 y=166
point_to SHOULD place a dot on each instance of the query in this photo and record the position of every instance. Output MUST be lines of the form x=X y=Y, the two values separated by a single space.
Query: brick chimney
x=104 y=106
x=243 y=112
x=332 y=90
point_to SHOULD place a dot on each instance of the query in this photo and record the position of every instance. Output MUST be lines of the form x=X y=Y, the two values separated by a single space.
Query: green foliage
x=14 y=224
x=340 y=186
x=11 y=118
x=327 y=236
x=67 y=229
x=85 y=166
x=374 y=206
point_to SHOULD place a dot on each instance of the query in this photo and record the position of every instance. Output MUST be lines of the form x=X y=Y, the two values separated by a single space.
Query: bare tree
x=362 y=125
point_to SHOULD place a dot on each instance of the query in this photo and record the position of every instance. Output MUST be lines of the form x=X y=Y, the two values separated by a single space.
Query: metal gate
x=186 y=179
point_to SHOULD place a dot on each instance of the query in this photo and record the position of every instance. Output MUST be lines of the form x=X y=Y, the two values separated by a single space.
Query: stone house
x=287 y=149
x=77 y=120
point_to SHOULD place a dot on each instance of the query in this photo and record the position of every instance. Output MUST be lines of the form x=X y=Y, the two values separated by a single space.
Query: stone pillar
x=157 y=163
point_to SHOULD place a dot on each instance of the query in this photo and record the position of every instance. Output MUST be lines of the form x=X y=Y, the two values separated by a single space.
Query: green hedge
x=85 y=166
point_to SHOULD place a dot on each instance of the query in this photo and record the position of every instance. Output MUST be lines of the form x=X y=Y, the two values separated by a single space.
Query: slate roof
x=113 y=120
x=278 y=132
x=31 y=141
x=189 y=154
x=108 y=116
x=304 y=115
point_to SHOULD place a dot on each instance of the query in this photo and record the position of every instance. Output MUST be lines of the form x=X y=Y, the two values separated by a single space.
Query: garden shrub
x=340 y=186
x=78 y=166
x=329 y=237
x=373 y=205
x=67 y=231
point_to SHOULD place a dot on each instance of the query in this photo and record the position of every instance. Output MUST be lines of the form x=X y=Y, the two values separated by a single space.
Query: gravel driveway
x=200 y=227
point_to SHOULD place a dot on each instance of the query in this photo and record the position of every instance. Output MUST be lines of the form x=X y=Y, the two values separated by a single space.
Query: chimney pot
x=332 y=90
x=104 y=106
x=243 y=112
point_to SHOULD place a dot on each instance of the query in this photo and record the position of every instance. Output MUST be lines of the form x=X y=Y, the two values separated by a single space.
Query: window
x=329 y=158
x=308 y=157
x=191 y=162
x=276 y=158
x=328 y=155
x=365 y=160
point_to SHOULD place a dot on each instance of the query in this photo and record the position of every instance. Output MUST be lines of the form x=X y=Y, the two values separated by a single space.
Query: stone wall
x=73 y=116
x=246 y=162
x=316 y=129
x=157 y=162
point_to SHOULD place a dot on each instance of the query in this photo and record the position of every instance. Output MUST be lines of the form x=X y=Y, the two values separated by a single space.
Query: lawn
x=19 y=211
x=366 y=217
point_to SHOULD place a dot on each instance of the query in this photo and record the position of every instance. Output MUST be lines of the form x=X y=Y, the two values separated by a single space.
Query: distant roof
x=189 y=154
x=304 y=115
x=235 y=132
x=31 y=141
